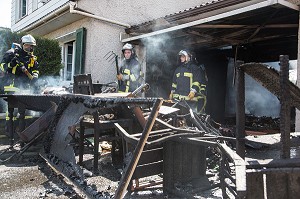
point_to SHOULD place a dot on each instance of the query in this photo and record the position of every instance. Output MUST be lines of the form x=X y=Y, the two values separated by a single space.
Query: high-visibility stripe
x=132 y=77
x=203 y=87
x=11 y=88
x=127 y=71
x=2 y=67
x=36 y=71
x=181 y=97
x=174 y=85
x=31 y=62
x=14 y=69
x=16 y=118
x=197 y=84
x=178 y=75
x=190 y=75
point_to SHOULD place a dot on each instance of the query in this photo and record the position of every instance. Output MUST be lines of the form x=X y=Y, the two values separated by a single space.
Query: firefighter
x=130 y=70
x=19 y=65
x=188 y=83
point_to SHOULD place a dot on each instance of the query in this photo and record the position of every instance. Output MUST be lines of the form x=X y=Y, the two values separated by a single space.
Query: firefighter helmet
x=187 y=54
x=127 y=46
x=130 y=47
x=28 y=39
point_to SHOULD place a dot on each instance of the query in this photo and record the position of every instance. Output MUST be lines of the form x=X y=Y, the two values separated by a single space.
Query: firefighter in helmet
x=19 y=66
x=188 y=83
x=130 y=70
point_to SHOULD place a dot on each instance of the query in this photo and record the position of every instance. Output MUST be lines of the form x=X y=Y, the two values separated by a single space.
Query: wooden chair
x=83 y=84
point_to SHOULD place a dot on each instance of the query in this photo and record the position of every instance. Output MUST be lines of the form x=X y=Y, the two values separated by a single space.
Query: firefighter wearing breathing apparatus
x=188 y=83
x=19 y=66
x=130 y=70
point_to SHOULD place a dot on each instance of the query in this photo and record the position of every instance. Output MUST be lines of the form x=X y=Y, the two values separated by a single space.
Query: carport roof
x=223 y=23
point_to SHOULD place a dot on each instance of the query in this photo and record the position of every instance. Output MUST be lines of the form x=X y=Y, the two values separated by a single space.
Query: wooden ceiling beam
x=226 y=26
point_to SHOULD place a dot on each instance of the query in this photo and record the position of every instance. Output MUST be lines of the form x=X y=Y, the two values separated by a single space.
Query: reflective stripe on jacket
x=131 y=71
x=186 y=78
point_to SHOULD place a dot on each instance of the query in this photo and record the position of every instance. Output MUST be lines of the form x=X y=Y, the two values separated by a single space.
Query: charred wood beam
x=240 y=169
x=209 y=37
x=273 y=163
x=274 y=170
x=260 y=27
x=285 y=108
x=231 y=26
x=240 y=110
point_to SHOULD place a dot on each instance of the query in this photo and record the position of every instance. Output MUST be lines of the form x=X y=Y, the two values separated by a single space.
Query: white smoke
x=161 y=63
x=258 y=100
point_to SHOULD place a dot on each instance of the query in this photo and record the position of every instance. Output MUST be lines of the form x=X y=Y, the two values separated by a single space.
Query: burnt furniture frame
x=83 y=84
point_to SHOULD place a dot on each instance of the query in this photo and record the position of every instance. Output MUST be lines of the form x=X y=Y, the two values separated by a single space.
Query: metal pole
x=138 y=151
x=285 y=114
x=240 y=110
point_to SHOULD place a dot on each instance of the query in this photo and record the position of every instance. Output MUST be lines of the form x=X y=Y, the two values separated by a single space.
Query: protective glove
x=34 y=75
x=120 y=77
x=191 y=95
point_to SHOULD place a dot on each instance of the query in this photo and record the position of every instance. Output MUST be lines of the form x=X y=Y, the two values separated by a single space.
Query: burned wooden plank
x=240 y=110
x=285 y=109
x=269 y=78
x=152 y=155
x=255 y=186
x=149 y=169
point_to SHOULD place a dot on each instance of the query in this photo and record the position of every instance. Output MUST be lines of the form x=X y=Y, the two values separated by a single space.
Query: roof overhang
x=56 y=19
x=235 y=24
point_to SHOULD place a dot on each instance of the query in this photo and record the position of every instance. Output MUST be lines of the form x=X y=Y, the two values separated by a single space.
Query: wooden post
x=138 y=151
x=240 y=110
x=285 y=110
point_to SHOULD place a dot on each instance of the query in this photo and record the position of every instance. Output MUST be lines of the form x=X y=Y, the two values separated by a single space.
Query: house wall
x=135 y=12
x=103 y=37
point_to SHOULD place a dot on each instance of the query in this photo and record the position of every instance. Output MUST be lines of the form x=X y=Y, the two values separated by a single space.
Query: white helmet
x=187 y=54
x=127 y=46
x=28 y=39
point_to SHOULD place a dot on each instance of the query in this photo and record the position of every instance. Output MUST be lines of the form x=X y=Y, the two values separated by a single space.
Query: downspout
x=73 y=11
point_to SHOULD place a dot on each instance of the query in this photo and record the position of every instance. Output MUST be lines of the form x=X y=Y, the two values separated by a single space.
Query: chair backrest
x=83 y=84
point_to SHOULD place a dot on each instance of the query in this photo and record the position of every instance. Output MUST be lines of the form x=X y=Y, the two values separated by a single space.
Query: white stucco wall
x=135 y=12
x=101 y=38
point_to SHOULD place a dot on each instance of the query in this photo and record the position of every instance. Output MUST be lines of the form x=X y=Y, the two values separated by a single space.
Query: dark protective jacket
x=131 y=71
x=187 y=77
x=12 y=63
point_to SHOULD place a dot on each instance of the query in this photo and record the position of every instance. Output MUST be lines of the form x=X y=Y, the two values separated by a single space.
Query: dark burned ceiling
x=265 y=32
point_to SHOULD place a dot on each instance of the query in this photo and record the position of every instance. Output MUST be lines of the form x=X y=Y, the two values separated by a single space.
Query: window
x=69 y=52
x=23 y=8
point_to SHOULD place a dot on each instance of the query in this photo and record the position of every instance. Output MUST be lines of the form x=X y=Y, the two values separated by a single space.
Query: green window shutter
x=80 y=50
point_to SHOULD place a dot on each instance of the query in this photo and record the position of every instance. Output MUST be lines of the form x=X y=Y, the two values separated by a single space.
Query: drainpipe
x=73 y=11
